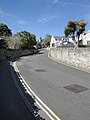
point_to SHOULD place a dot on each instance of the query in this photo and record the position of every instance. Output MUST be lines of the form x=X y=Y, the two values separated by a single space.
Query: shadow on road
x=33 y=108
x=12 y=106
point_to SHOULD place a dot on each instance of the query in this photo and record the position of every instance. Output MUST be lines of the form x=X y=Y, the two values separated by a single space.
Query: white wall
x=52 y=41
x=85 y=37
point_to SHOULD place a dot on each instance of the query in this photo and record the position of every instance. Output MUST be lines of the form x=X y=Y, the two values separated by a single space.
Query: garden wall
x=15 y=53
x=77 y=57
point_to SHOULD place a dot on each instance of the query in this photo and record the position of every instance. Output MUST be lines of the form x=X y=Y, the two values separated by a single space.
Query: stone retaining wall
x=15 y=53
x=2 y=56
x=78 y=57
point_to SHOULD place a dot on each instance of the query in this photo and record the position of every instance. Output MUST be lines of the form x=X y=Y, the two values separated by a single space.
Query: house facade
x=84 y=38
x=57 y=41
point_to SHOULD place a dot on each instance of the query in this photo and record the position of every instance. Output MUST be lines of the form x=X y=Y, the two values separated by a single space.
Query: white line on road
x=44 y=107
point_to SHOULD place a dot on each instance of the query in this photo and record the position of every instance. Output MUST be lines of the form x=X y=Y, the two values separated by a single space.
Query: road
x=65 y=90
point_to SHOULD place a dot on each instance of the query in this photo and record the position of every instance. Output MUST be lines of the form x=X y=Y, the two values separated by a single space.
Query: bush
x=3 y=44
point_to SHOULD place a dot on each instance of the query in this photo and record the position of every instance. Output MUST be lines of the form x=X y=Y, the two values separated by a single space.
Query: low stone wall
x=15 y=53
x=2 y=55
x=78 y=57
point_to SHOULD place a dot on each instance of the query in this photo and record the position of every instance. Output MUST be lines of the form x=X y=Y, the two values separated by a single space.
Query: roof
x=57 y=37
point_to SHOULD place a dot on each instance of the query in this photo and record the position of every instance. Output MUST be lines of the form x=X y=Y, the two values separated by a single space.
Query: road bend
x=65 y=90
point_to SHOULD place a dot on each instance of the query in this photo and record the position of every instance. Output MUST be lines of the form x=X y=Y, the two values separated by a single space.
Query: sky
x=41 y=17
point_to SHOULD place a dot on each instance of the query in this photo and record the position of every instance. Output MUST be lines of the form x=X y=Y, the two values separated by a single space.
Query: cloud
x=1 y=11
x=2 y=14
x=52 y=4
x=5 y=15
x=55 y=1
x=61 y=3
x=22 y=22
x=45 y=19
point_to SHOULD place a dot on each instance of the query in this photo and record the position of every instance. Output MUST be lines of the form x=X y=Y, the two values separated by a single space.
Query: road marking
x=44 y=107
x=21 y=93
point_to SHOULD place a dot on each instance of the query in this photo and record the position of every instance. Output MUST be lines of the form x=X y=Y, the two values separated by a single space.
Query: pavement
x=12 y=106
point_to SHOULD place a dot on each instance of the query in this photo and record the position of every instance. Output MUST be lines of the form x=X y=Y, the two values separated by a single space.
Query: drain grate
x=40 y=70
x=76 y=88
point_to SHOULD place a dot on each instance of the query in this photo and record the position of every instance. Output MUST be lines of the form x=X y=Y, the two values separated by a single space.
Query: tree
x=4 y=30
x=3 y=44
x=33 y=39
x=80 y=28
x=66 y=32
x=41 y=40
x=47 y=39
x=27 y=39
x=14 y=42
x=74 y=28
x=70 y=29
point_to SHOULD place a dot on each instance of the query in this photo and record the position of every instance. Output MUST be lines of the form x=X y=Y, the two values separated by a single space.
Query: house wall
x=58 y=41
x=52 y=41
x=70 y=40
x=85 y=37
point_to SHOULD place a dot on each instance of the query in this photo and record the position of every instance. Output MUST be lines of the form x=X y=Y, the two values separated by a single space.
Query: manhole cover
x=76 y=88
x=40 y=70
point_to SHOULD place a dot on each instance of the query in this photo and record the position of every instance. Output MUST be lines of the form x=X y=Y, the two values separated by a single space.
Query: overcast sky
x=42 y=17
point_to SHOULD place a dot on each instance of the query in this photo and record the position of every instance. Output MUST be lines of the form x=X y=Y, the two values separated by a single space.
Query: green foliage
x=47 y=39
x=41 y=40
x=4 y=30
x=75 y=28
x=81 y=26
x=66 y=32
x=70 y=28
x=33 y=39
x=3 y=44
x=28 y=40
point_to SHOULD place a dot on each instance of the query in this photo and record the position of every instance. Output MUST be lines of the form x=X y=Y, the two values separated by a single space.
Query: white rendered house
x=57 y=41
x=84 y=38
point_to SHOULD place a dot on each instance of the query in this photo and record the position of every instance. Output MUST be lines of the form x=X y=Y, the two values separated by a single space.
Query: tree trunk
x=75 y=44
